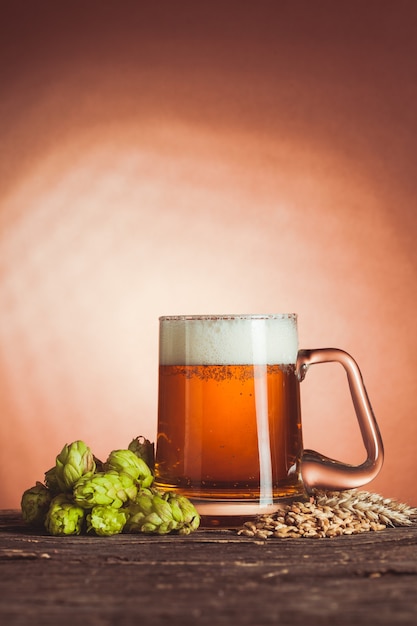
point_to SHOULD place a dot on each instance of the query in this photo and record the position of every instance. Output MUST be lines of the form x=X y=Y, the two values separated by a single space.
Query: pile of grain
x=329 y=514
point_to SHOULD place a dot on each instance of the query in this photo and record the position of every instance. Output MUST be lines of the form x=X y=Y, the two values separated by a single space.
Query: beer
x=219 y=451
x=229 y=425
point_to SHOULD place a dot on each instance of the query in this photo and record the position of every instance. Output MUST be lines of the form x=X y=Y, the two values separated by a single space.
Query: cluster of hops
x=84 y=495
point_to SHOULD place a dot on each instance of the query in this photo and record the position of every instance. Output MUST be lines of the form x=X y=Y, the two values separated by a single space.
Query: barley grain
x=331 y=514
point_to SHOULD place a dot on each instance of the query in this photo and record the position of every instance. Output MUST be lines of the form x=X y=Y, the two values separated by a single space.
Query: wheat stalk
x=367 y=504
x=331 y=513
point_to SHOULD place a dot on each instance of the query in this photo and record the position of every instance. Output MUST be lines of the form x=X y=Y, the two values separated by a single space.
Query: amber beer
x=229 y=425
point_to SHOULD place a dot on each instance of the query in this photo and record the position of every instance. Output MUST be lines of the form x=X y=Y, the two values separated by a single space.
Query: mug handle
x=321 y=472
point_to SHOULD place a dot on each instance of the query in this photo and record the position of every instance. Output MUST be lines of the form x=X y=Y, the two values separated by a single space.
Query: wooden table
x=209 y=577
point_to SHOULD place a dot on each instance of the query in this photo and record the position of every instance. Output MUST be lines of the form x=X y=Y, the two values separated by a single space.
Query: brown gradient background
x=186 y=157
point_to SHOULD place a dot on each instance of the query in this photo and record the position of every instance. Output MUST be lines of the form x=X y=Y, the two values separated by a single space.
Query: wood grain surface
x=209 y=577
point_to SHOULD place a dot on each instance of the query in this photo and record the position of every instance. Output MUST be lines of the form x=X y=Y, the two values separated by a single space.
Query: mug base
x=222 y=514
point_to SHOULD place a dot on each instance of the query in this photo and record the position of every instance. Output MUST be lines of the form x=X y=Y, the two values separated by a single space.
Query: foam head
x=228 y=340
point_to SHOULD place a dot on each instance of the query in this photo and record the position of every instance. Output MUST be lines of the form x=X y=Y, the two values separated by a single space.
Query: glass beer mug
x=229 y=419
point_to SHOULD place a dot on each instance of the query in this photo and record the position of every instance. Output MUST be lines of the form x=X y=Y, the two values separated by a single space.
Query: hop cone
x=75 y=460
x=64 y=517
x=105 y=488
x=127 y=461
x=157 y=513
x=184 y=512
x=106 y=520
x=143 y=449
x=35 y=504
x=150 y=513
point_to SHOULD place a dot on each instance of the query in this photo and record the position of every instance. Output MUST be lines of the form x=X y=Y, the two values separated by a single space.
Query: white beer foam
x=228 y=340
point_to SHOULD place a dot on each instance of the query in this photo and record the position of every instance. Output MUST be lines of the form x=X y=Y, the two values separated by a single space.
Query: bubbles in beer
x=220 y=373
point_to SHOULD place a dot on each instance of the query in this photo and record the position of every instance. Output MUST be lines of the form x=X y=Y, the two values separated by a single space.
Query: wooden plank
x=210 y=576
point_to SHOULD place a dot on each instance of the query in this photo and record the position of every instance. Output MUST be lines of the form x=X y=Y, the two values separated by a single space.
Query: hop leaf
x=105 y=488
x=75 y=460
x=35 y=504
x=127 y=461
x=51 y=481
x=106 y=520
x=64 y=517
x=143 y=449
x=99 y=464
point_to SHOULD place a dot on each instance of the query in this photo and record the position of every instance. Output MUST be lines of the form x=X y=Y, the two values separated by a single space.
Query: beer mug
x=229 y=420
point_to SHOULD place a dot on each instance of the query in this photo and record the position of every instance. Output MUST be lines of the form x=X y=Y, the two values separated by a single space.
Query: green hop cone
x=150 y=513
x=105 y=488
x=64 y=517
x=127 y=461
x=184 y=512
x=106 y=520
x=75 y=460
x=35 y=504
x=143 y=449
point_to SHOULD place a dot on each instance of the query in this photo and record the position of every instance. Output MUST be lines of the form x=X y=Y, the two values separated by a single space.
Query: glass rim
x=228 y=316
